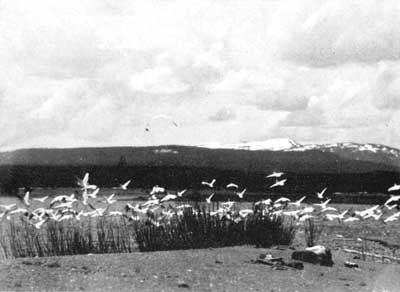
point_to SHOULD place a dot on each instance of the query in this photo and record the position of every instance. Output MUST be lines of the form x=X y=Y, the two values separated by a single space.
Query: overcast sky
x=94 y=72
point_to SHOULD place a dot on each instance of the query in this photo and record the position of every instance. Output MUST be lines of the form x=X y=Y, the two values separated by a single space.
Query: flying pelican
x=241 y=194
x=351 y=219
x=8 y=207
x=19 y=210
x=305 y=217
x=110 y=200
x=156 y=190
x=278 y=183
x=394 y=217
x=392 y=199
x=208 y=200
x=84 y=183
x=115 y=213
x=180 y=194
x=331 y=217
x=26 y=198
x=62 y=199
x=228 y=205
x=326 y=209
x=232 y=185
x=168 y=197
x=324 y=204
x=275 y=174
x=393 y=188
x=245 y=212
x=125 y=185
x=151 y=202
x=263 y=202
x=390 y=207
x=147 y=128
x=297 y=203
x=41 y=200
x=321 y=194
x=282 y=200
x=210 y=184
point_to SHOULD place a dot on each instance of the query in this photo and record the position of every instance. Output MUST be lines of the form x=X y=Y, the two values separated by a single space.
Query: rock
x=296 y=265
x=182 y=284
x=350 y=265
x=53 y=265
x=324 y=259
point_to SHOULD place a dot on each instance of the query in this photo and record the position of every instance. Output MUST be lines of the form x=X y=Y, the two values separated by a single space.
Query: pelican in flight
x=168 y=197
x=297 y=203
x=41 y=200
x=8 y=207
x=394 y=188
x=156 y=190
x=321 y=194
x=110 y=200
x=180 y=194
x=26 y=198
x=232 y=185
x=279 y=183
x=323 y=205
x=241 y=194
x=394 y=217
x=208 y=200
x=210 y=184
x=125 y=185
x=392 y=199
x=275 y=174
x=84 y=183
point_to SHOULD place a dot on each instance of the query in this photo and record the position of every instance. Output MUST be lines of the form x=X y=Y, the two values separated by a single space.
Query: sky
x=80 y=73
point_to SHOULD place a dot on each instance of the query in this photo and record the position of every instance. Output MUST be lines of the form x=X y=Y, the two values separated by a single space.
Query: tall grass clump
x=100 y=235
x=201 y=230
x=312 y=232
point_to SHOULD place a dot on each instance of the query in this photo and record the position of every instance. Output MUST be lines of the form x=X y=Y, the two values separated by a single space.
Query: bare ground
x=222 y=269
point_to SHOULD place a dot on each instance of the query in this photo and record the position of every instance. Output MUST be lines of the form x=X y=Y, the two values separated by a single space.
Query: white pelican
x=391 y=207
x=394 y=217
x=326 y=209
x=228 y=205
x=306 y=210
x=115 y=213
x=297 y=203
x=279 y=183
x=392 y=199
x=210 y=184
x=8 y=207
x=264 y=202
x=26 y=198
x=305 y=217
x=180 y=194
x=41 y=200
x=84 y=183
x=156 y=190
x=282 y=200
x=151 y=202
x=241 y=194
x=323 y=205
x=208 y=200
x=232 y=185
x=124 y=186
x=351 y=219
x=110 y=200
x=245 y=212
x=275 y=174
x=321 y=194
x=393 y=188
x=93 y=195
x=168 y=197
x=331 y=217
x=18 y=210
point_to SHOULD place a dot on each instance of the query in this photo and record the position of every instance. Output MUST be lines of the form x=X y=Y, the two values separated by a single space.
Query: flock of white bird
x=64 y=207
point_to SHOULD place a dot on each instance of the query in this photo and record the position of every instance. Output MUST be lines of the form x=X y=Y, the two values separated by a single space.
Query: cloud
x=159 y=80
x=329 y=33
x=224 y=114
x=87 y=73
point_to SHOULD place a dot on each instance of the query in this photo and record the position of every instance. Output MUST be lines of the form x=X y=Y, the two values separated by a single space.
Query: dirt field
x=223 y=269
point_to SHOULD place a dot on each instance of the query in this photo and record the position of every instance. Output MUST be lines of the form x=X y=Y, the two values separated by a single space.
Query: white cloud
x=80 y=73
x=159 y=80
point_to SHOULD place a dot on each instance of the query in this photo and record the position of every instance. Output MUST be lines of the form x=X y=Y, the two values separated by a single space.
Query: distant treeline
x=180 y=177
